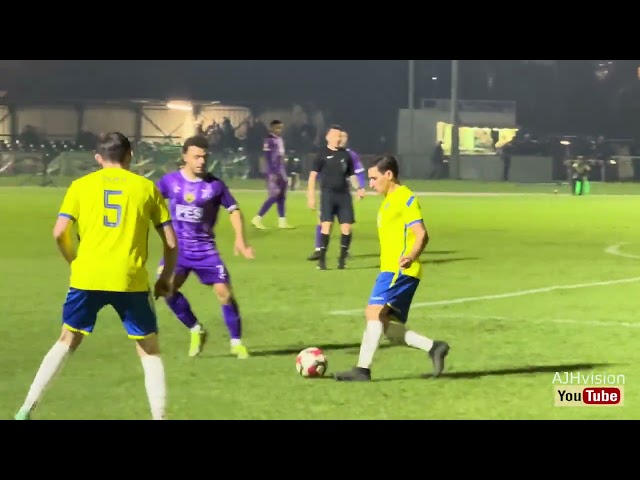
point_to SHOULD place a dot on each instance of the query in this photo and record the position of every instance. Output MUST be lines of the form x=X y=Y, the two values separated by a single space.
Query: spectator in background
x=214 y=137
x=507 y=150
x=307 y=137
x=229 y=140
x=437 y=162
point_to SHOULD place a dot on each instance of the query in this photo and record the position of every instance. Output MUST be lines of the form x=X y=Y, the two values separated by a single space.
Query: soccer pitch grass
x=490 y=269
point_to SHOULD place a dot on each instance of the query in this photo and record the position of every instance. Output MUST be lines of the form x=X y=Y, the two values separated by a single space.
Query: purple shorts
x=276 y=185
x=210 y=269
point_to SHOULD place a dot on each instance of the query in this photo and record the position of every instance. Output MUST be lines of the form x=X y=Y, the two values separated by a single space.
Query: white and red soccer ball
x=311 y=362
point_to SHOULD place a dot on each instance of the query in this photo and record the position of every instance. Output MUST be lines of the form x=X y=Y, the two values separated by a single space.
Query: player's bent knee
x=223 y=293
x=345 y=229
x=395 y=332
x=148 y=345
x=71 y=338
x=374 y=312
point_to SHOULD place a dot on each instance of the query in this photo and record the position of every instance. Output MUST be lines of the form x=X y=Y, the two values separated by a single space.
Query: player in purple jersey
x=195 y=198
x=276 y=172
x=358 y=181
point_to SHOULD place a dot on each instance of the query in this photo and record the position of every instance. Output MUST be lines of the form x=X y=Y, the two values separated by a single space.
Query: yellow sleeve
x=70 y=207
x=411 y=211
x=159 y=212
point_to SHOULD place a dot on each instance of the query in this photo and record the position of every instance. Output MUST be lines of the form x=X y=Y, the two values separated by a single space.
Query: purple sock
x=179 y=305
x=280 y=204
x=266 y=206
x=231 y=314
x=318 y=237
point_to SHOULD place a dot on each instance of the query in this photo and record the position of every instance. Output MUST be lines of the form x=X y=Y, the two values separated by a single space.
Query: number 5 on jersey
x=113 y=211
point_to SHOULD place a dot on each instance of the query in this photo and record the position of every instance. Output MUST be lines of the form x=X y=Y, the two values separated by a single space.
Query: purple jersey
x=274 y=152
x=194 y=206
x=358 y=168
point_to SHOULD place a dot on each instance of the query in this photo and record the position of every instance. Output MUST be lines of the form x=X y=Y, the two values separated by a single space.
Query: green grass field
x=489 y=290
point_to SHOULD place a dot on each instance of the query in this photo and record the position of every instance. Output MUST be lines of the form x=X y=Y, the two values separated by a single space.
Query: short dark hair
x=199 y=141
x=387 y=163
x=335 y=126
x=113 y=147
x=275 y=123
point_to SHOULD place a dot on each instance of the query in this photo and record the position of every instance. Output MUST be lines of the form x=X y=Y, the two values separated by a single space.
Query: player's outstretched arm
x=359 y=170
x=240 y=245
x=422 y=239
x=161 y=218
x=69 y=212
x=62 y=234
x=170 y=245
x=357 y=182
x=164 y=284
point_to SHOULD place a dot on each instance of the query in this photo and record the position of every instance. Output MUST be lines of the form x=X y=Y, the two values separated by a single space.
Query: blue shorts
x=136 y=310
x=397 y=295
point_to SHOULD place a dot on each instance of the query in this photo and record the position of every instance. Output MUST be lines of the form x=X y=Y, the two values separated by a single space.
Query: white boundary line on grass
x=596 y=323
x=615 y=250
x=518 y=293
x=612 y=250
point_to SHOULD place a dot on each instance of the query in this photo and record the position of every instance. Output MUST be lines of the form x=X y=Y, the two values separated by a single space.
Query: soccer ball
x=311 y=362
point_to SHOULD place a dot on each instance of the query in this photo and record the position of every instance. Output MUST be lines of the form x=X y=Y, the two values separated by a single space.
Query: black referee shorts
x=337 y=204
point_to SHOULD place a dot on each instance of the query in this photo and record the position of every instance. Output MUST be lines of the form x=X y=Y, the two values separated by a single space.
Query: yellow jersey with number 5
x=113 y=209
x=398 y=212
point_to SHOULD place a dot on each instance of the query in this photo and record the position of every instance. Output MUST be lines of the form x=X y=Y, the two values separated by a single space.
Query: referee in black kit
x=335 y=166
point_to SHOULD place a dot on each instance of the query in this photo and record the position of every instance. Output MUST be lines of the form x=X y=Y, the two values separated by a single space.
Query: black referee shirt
x=335 y=167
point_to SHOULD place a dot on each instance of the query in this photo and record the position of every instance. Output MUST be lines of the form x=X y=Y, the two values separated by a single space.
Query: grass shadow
x=449 y=260
x=427 y=252
x=365 y=255
x=526 y=370
x=432 y=261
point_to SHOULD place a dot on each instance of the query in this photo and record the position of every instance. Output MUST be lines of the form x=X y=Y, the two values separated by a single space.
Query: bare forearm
x=65 y=245
x=237 y=222
x=170 y=257
x=170 y=250
x=421 y=242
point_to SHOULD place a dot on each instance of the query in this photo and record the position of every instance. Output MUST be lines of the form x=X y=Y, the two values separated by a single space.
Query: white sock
x=51 y=364
x=416 y=340
x=155 y=384
x=196 y=328
x=370 y=342
x=235 y=342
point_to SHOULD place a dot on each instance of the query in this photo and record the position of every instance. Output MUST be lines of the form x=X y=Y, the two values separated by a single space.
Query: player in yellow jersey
x=403 y=237
x=112 y=208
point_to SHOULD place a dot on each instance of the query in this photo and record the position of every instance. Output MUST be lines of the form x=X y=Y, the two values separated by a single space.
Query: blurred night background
x=510 y=113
